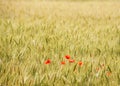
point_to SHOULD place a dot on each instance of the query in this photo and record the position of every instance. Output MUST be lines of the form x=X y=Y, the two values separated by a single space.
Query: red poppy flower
x=97 y=69
x=103 y=65
x=62 y=62
x=71 y=61
x=80 y=63
x=108 y=73
x=67 y=56
x=47 y=61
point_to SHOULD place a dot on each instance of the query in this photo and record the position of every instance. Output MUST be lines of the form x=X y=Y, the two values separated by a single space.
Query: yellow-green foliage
x=33 y=31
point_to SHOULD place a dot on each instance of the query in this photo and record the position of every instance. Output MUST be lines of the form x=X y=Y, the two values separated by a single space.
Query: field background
x=33 y=31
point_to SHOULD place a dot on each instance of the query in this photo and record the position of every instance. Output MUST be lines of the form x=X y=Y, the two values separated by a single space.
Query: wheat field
x=32 y=32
